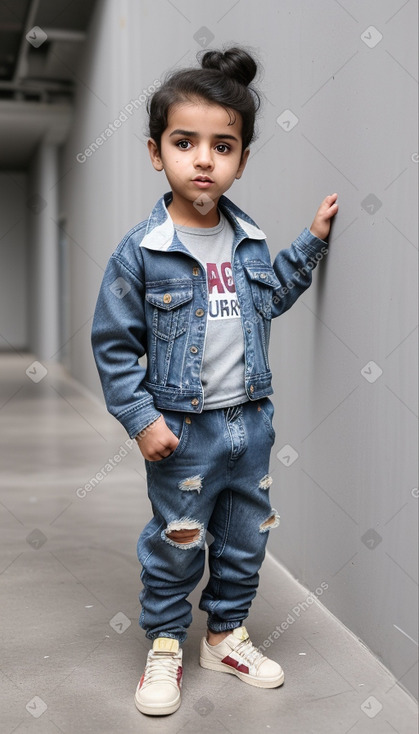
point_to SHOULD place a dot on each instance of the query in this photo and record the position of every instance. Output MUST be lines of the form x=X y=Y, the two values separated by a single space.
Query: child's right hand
x=157 y=441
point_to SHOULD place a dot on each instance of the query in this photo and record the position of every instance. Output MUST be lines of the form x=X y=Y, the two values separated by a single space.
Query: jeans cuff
x=180 y=638
x=223 y=626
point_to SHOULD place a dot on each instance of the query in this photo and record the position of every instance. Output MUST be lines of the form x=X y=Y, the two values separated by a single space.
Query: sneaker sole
x=246 y=677
x=157 y=709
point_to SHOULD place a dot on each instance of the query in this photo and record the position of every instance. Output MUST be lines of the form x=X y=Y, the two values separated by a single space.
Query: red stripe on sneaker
x=141 y=681
x=179 y=676
x=235 y=664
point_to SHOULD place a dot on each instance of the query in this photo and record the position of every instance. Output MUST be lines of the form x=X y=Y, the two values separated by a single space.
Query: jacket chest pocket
x=171 y=302
x=263 y=282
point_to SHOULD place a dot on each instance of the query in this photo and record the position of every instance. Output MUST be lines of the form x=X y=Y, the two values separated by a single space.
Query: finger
x=172 y=441
x=330 y=213
x=332 y=208
x=330 y=199
x=159 y=456
x=165 y=451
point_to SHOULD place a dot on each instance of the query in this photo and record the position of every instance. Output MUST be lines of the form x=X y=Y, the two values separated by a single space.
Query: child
x=193 y=288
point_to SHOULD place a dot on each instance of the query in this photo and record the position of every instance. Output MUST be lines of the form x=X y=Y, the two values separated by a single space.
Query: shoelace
x=162 y=668
x=250 y=653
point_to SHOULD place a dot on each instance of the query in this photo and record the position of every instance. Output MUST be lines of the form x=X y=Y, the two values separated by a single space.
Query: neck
x=194 y=214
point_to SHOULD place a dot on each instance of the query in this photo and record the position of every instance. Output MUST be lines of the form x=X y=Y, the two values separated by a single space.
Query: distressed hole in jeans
x=271 y=522
x=184 y=533
x=265 y=482
x=191 y=484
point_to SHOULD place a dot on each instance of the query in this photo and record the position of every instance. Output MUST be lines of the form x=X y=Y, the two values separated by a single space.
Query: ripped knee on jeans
x=184 y=533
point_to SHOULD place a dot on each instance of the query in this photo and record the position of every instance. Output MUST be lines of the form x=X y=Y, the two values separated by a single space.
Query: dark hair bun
x=234 y=62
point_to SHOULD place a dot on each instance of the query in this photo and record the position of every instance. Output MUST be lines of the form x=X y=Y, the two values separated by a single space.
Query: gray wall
x=343 y=358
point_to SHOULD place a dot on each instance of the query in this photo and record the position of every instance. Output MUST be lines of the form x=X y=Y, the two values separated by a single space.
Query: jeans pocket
x=180 y=427
x=267 y=410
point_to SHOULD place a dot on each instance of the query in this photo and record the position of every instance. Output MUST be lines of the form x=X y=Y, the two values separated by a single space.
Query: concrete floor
x=72 y=650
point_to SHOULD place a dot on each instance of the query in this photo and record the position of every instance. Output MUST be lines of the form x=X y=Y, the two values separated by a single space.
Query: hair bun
x=234 y=62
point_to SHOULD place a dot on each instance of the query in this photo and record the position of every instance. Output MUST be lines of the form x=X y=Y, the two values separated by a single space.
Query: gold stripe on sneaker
x=240 y=633
x=165 y=644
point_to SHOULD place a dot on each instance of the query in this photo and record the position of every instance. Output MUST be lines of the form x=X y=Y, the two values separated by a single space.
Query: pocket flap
x=262 y=273
x=170 y=294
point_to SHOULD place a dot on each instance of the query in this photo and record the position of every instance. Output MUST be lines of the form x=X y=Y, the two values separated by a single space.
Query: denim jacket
x=153 y=301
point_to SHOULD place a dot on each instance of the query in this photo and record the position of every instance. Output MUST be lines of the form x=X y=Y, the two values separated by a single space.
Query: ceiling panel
x=37 y=77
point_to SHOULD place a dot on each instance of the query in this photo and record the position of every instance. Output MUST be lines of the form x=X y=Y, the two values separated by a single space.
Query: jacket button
x=251 y=388
x=167 y=298
x=194 y=350
x=194 y=401
x=263 y=275
x=195 y=271
x=188 y=420
x=199 y=312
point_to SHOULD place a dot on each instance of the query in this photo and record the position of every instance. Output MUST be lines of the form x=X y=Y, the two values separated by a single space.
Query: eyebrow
x=191 y=134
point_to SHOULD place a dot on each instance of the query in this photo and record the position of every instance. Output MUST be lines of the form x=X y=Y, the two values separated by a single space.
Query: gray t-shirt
x=222 y=372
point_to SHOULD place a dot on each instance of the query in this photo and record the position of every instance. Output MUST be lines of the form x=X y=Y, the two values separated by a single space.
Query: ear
x=154 y=154
x=243 y=162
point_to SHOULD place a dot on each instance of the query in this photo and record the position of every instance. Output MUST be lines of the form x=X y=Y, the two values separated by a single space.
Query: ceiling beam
x=59 y=34
x=22 y=61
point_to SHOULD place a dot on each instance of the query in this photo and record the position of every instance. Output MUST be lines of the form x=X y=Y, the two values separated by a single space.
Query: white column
x=43 y=256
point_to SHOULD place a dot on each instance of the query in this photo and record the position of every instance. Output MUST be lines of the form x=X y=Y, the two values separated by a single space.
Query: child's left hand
x=321 y=222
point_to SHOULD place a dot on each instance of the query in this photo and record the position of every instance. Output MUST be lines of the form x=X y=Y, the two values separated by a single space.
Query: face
x=201 y=155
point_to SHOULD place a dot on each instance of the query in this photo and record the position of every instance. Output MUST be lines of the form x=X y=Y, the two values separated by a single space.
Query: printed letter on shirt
x=223 y=303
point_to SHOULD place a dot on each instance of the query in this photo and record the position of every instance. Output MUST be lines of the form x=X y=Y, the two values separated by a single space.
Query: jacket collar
x=161 y=234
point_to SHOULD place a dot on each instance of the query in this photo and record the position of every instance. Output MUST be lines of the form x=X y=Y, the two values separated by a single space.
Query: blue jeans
x=216 y=486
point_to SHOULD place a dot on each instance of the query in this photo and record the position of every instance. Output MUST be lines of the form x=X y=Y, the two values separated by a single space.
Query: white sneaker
x=158 y=691
x=236 y=654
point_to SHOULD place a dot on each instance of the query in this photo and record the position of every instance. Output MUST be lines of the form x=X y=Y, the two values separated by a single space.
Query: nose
x=203 y=157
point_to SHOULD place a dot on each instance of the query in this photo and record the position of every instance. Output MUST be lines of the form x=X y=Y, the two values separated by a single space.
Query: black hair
x=224 y=79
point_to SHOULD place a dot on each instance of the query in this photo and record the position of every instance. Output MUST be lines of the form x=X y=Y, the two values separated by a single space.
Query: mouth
x=203 y=181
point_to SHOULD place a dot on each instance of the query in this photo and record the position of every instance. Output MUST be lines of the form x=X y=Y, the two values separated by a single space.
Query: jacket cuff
x=138 y=418
x=309 y=243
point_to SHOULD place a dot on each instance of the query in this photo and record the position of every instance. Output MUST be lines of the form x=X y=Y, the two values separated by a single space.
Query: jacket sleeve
x=293 y=268
x=118 y=341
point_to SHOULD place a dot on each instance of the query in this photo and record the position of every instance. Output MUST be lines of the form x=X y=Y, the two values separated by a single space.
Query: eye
x=183 y=144
x=224 y=148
